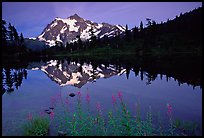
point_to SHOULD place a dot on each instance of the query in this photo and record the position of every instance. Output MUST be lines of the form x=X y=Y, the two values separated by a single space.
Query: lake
x=29 y=85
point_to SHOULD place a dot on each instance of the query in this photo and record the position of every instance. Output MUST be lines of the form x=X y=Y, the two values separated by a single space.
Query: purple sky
x=31 y=18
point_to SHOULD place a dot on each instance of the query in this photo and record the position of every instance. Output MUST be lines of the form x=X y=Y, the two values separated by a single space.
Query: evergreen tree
x=141 y=26
x=4 y=33
x=153 y=23
x=61 y=46
x=127 y=33
x=80 y=46
x=141 y=30
x=93 y=37
x=116 y=40
x=16 y=37
x=149 y=23
x=68 y=47
x=135 y=32
x=21 y=40
x=10 y=31
x=98 y=42
x=106 y=40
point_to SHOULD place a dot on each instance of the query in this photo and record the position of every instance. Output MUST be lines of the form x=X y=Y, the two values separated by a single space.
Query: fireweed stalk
x=114 y=103
x=125 y=121
x=82 y=128
x=169 y=114
x=114 y=116
x=138 y=119
x=79 y=108
x=99 y=121
x=88 y=125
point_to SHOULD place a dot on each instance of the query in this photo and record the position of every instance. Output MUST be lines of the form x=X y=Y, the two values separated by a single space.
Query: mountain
x=77 y=74
x=66 y=30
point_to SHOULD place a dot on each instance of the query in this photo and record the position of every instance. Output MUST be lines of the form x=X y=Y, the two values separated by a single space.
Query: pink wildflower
x=67 y=101
x=30 y=117
x=169 y=107
x=113 y=99
x=79 y=94
x=52 y=115
x=98 y=106
x=120 y=95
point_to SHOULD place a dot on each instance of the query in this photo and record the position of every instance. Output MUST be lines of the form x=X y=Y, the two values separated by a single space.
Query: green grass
x=38 y=126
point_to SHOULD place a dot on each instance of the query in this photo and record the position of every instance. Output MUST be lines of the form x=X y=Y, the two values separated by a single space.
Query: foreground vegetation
x=118 y=122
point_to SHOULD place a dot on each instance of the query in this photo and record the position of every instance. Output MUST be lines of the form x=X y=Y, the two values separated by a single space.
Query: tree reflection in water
x=12 y=78
x=182 y=70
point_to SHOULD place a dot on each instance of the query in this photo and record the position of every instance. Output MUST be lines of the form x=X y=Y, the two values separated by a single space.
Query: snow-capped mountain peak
x=66 y=30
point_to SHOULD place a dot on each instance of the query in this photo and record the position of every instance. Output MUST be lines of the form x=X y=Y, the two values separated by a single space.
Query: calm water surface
x=29 y=87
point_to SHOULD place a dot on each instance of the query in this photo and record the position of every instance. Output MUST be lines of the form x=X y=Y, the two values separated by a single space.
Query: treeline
x=12 y=43
x=181 y=35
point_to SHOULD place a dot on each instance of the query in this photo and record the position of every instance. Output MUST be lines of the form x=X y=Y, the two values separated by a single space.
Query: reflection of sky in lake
x=35 y=93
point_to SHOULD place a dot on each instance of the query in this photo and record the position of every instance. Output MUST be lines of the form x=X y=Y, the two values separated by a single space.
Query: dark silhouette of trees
x=10 y=32
x=93 y=37
x=141 y=26
x=4 y=33
x=128 y=68
x=106 y=40
x=61 y=46
x=141 y=30
x=16 y=37
x=135 y=33
x=79 y=42
x=68 y=47
x=21 y=40
x=13 y=44
x=13 y=35
x=149 y=23
x=127 y=33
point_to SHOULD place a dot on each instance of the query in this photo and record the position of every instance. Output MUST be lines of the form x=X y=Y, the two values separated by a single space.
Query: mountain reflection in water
x=79 y=71
x=77 y=74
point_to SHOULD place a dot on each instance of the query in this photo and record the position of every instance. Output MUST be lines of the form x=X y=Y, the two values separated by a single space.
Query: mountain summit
x=66 y=30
